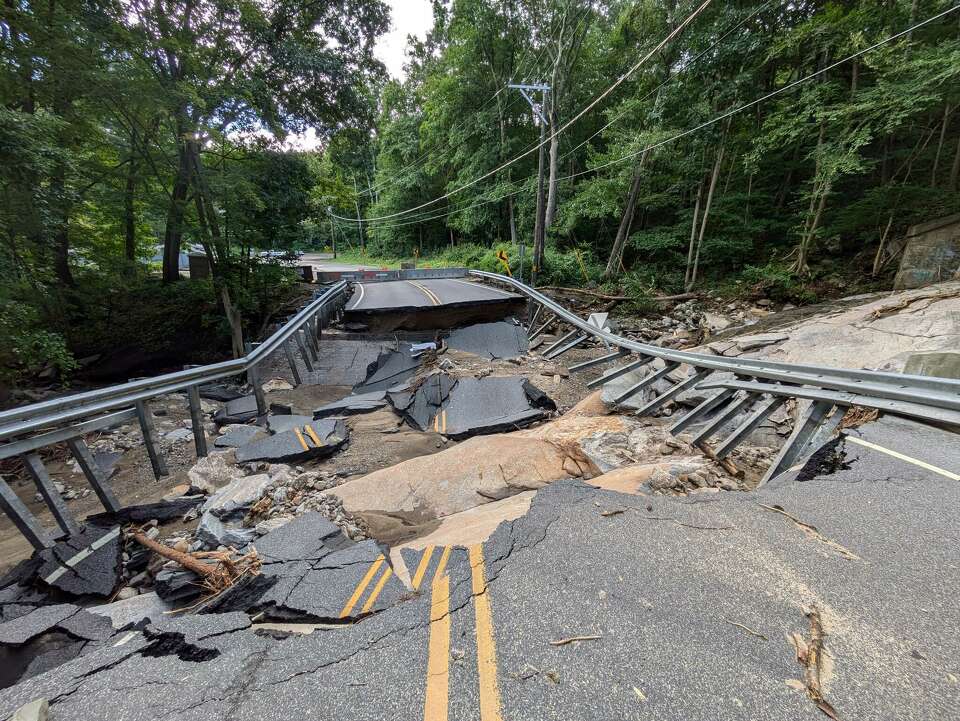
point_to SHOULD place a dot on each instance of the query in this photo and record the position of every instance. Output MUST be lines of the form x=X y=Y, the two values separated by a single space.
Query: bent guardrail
x=24 y=430
x=748 y=386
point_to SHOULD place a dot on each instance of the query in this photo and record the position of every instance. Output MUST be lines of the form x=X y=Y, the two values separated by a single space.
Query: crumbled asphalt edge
x=826 y=460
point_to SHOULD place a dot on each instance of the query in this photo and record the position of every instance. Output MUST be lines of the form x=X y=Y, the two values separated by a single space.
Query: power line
x=674 y=76
x=405 y=172
x=706 y=124
x=690 y=18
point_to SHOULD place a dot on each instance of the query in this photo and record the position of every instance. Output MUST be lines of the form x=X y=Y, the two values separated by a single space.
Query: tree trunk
x=943 y=135
x=173 y=231
x=554 y=154
x=218 y=255
x=693 y=235
x=706 y=214
x=626 y=220
x=129 y=216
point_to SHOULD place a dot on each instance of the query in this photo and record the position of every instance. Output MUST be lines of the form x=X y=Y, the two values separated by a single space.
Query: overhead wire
x=405 y=172
x=676 y=31
x=712 y=121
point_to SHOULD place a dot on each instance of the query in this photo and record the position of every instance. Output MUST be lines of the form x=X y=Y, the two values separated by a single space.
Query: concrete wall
x=932 y=253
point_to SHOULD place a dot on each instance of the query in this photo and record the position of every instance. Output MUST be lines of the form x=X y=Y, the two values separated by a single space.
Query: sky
x=407 y=17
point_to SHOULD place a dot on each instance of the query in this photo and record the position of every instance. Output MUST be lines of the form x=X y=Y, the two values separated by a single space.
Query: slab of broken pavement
x=442 y=524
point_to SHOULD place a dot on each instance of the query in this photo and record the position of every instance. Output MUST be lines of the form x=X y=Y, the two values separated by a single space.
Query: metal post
x=25 y=521
x=253 y=378
x=196 y=420
x=298 y=339
x=293 y=363
x=150 y=440
x=311 y=341
x=57 y=506
x=95 y=475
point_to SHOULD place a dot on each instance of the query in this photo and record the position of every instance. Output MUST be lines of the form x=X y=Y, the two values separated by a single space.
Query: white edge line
x=359 y=298
x=480 y=285
x=902 y=457
x=99 y=543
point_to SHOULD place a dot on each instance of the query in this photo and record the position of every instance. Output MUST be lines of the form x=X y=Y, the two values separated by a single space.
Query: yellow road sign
x=505 y=261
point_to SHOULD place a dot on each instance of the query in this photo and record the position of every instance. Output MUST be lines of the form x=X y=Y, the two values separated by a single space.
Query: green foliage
x=777 y=282
x=26 y=348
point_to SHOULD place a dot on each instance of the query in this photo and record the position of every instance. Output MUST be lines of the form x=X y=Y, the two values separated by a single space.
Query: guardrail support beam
x=253 y=378
x=803 y=433
x=150 y=440
x=621 y=371
x=644 y=382
x=196 y=420
x=748 y=426
x=298 y=339
x=311 y=341
x=95 y=475
x=58 y=507
x=551 y=354
x=655 y=403
x=726 y=415
x=25 y=521
x=297 y=380
x=621 y=353
x=705 y=407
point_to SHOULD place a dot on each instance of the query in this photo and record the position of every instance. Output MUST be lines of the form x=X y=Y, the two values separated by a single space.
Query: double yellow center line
x=436 y=703
x=308 y=430
x=362 y=587
x=433 y=297
x=440 y=422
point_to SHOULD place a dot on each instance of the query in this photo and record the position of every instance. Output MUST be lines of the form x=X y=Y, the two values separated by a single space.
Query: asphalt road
x=391 y=295
x=683 y=607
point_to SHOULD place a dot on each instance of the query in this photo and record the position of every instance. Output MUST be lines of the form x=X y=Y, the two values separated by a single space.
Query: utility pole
x=539 y=231
x=356 y=200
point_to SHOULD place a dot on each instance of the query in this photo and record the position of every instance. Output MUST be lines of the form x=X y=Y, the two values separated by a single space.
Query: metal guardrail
x=742 y=383
x=98 y=409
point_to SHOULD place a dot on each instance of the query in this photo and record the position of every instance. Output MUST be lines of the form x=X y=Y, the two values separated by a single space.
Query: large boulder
x=213 y=472
x=479 y=470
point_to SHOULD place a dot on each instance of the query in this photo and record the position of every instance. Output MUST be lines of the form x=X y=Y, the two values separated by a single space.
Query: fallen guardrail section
x=25 y=430
x=746 y=389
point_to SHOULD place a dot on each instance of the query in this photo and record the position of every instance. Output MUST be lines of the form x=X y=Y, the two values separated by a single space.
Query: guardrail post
x=253 y=378
x=150 y=440
x=25 y=521
x=293 y=363
x=196 y=420
x=298 y=339
x=311 y=340
x=95 y=475
x=38 y=472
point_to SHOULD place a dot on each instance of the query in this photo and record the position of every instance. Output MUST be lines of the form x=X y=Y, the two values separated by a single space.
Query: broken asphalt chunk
x=240 y=410
x=355 y=403
x=161 y=511
x=503 y=339
x=85 y=564
x=391 y=368
x=239 y=435
x=316 y=439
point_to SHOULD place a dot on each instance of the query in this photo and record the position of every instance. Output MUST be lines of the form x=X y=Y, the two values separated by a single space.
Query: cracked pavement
x=684 y=607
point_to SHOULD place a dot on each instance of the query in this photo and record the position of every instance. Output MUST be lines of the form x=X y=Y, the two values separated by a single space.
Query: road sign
x=502 y=257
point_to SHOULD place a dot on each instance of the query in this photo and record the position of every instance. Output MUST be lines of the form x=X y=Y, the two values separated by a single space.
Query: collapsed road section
x=455 y=526
x=427 y=304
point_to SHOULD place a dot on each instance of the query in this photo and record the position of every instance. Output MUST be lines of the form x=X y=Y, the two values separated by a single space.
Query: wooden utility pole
x=539 y=230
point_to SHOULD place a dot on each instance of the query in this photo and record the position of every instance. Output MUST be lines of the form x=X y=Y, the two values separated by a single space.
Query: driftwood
x=617 y=298
x=216 y=576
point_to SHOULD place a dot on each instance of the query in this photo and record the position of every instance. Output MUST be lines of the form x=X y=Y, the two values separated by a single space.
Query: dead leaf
x=613 y=512
x=553 y=676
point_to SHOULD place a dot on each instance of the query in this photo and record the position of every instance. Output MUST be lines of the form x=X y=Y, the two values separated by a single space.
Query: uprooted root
x=812 y=655
x=225 y=570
